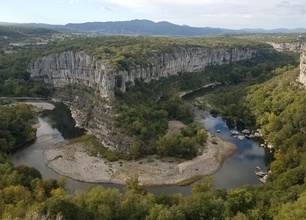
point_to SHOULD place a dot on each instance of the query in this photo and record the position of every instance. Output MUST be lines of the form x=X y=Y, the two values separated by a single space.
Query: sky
x=231 y=14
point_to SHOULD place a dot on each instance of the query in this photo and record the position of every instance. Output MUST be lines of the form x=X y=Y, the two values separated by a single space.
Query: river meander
x=57 y=125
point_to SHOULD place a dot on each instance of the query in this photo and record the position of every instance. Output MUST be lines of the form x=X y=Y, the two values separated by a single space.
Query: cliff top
x=124 y=50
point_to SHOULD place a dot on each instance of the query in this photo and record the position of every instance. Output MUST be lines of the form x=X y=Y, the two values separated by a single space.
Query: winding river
x=58 y=125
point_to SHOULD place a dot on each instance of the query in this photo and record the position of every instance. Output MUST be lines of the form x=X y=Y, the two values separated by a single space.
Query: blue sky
x=233 y=14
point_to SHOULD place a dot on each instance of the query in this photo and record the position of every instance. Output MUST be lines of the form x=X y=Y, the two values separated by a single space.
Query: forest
x=16 y=128
x=262 y=93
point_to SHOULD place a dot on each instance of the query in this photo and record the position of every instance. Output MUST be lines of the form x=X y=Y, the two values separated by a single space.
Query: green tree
x=60 y=205
x=293 y=210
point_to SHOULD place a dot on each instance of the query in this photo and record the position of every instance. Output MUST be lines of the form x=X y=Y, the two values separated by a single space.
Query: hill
x=147 y=27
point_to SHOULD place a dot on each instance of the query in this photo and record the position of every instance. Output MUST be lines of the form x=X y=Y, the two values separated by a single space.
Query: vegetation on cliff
x=276 y=37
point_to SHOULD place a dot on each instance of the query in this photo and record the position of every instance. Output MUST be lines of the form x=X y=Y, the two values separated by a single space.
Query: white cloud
x=200 y=13
x=293 y=8
x=220 y=13
x=107 y=8
x=74 y=1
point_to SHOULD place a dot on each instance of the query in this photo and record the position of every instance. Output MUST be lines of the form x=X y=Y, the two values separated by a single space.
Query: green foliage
x=176 y=146
x=281 y=113
x=293 y=210
x=144 y=111
x=96 y=148
x=203 y=206
x=27 y=34
x=186 y=144
x=239 y=200
x=203 y=187
x=98 y=203
x=14 y=78
x=15 y=126
x=60 y=205
x=132 y=184
x=276 y=37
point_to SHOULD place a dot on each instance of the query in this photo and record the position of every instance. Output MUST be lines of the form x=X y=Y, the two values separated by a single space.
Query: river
x=58 y=125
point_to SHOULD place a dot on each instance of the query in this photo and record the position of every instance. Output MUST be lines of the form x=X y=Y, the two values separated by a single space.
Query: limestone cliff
x=297 y=46
x=80 y=68
x=302 y=76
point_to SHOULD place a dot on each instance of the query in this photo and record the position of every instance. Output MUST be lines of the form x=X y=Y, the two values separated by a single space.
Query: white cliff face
x=300 y=47
x=79 y=68
x=297 y=46
x=302 y=76
x=74 y=68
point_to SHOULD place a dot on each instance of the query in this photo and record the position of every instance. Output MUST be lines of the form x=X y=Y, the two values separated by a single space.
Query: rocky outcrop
x=302 y=76
x=94 y=114
x=82 y=69
x=300 y=47
x=297 y=46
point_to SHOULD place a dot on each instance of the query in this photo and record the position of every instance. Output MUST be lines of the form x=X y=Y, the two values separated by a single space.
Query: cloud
x=213 y=13
x=69 y=1
x=293 y=8
x=74 y=1
x=107 y=8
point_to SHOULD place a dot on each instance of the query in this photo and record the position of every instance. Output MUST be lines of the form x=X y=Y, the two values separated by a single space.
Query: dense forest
x=261 y=92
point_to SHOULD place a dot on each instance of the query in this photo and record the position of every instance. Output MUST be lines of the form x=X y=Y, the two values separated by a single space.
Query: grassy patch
x=96 y=148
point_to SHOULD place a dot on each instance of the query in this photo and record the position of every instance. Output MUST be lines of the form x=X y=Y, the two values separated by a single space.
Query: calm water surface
x=58 y=125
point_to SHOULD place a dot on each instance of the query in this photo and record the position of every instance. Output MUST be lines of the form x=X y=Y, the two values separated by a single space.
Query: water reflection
x=239 y=168
x=60 y=119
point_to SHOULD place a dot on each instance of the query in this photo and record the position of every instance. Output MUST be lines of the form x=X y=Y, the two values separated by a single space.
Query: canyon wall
x=302 y=76
x=82 y=69
x=297 y=46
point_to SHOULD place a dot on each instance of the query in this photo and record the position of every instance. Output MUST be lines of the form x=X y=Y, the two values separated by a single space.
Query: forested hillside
x=13 y=34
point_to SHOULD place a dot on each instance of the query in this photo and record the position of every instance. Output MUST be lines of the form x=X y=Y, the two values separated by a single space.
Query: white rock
x=70 y=67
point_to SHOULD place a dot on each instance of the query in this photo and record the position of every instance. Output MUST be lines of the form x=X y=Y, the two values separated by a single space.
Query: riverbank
x=72 y=160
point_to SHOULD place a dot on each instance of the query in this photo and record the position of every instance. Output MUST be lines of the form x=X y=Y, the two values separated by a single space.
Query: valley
x=124 y=91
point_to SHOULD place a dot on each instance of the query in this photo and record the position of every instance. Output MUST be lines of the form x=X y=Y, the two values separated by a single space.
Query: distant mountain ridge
x=147 y=27
x=144 y=27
